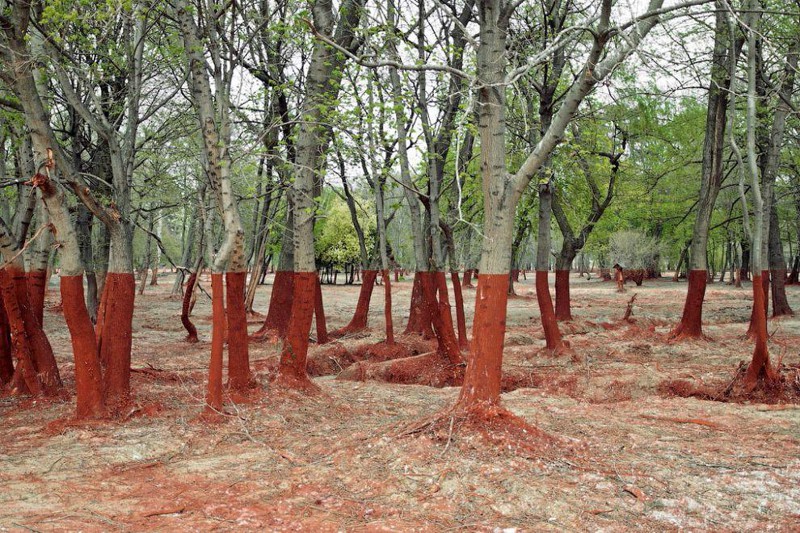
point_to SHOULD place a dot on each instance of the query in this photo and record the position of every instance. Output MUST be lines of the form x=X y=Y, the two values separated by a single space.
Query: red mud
x=289 y=461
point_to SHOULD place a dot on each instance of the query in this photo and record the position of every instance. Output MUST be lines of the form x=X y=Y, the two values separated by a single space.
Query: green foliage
x=336 y=242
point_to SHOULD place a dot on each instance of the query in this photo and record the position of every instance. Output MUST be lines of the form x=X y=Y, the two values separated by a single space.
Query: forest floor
x=625 y=456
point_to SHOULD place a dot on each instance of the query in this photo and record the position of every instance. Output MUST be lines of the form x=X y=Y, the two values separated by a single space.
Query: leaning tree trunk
x=148 y=251
x=552 y=335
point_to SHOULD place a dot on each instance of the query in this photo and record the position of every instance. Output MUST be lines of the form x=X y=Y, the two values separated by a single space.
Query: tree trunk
x=361 y=314
x=777 y=267
x=322 y=87
x=280 y=303
x=147 y=252
x=39 y=263
x=690 y=325
x=461 y=319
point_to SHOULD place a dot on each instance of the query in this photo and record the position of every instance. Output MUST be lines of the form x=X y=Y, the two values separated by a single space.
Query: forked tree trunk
x=760 y=370
x=322 y=87
x=502 y=192
x=25 y=327
x=90 y=393
x=229 y=269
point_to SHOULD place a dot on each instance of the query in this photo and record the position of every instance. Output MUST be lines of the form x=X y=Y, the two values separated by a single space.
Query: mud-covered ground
x=625 y=455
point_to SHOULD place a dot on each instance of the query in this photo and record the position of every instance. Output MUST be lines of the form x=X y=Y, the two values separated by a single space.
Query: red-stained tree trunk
x=88 y=371
x=501 y=191
x=214 y=392
x=466 y=282
x=89 y=379
x=387 y=307
x=21 y=316
x=690 y=325
x=359 y=320
x=322 y=86
x=760 y=368
x=552 y=334
x=441 y=317
x=764 y=307
x=563 y=305
x=292 y=367
x=419 y=319
x=229 y=266
x=37 y=288
x=25 y=375
x=319 y=315
x=461 y=319
x=6 y=357
x=115 y=342
x=280 y=303
x=239 y=377
x=280 y=306
x=186 y=309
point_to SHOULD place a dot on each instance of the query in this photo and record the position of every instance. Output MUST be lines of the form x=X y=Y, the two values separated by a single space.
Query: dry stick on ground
x=629 y=309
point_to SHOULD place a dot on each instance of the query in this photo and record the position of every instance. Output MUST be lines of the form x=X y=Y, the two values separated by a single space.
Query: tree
x=213 y=113
x=726 y=49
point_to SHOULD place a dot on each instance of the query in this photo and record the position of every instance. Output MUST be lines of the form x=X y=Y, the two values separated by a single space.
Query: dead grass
x=627 y=457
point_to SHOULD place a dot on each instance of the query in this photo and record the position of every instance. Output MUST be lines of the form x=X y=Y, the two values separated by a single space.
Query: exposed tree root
x=563 y=349
x=784 y=388
x=496 y=425
x=290 y=382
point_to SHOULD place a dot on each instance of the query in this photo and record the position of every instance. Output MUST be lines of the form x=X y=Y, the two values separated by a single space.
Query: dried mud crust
x=286 y=462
